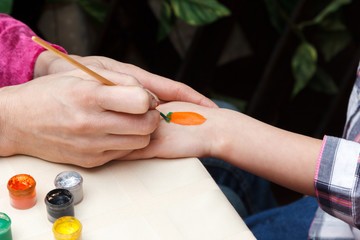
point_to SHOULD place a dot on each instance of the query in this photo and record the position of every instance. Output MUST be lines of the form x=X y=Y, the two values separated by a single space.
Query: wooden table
x=146 y=200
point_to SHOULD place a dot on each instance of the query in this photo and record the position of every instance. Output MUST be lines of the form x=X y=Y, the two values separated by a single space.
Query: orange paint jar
x=22 y=191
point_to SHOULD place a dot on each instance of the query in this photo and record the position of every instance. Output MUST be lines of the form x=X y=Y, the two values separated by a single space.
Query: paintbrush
x=85 y=69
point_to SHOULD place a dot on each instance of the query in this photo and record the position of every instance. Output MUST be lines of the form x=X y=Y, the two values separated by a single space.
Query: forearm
x=280 y=156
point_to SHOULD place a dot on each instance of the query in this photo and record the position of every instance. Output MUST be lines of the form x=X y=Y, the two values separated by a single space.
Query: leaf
x=303 y=65
x=334 y=22
x=323 y=82
x=166 y=22
x=331 y=8
x=6 y=6
x=199 y=12
x=333 y=42
x=95 y=9
x=275 y=17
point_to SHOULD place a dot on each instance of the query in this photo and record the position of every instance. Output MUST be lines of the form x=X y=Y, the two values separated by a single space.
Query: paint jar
x=67 y=228
x=59 y=203
x=5 y=227
x=71 y=181
x=22 y=191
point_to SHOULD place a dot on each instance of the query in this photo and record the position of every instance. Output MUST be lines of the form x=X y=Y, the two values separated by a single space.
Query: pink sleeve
x=18 y=53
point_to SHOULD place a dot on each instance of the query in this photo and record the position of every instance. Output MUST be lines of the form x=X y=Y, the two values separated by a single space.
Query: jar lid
x=21 y=185
x=59 y=198
x=5 y=223
x=67 y=227
x=68 y=180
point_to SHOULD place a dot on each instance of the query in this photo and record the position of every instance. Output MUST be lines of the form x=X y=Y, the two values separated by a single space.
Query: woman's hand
x=164 y=88
x=71 y=118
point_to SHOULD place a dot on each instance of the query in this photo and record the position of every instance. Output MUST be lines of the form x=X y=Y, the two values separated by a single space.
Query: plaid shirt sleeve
x=337 y=179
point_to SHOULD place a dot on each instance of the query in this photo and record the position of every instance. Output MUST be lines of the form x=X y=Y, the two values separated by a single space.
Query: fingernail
x=154 y=103
x=154 y=99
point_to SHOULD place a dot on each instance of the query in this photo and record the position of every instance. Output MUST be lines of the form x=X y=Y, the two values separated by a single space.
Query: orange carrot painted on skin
x=184 y=118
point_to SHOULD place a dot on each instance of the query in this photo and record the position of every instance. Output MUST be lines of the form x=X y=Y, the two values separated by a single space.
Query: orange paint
x=186 y=118
x=22 y=191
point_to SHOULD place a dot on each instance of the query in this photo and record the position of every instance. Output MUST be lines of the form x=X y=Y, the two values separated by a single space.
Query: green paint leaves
x=194 y=12
x=167 y=117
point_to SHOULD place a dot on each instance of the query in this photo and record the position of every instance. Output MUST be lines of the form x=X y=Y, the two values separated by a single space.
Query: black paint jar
x=59 y=202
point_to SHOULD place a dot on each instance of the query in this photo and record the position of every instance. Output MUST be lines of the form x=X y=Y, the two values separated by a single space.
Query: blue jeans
x=252 y=198
x=247 y=193
x=288 y=222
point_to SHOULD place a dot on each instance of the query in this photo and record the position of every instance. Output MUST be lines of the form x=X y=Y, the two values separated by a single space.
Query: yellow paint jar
x=67 y=228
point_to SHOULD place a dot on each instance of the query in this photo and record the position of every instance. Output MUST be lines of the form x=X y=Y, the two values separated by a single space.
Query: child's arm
x=283 y=157
x=280 y=156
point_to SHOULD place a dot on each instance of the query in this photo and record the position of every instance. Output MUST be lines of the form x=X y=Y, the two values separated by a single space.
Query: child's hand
x=171 y=140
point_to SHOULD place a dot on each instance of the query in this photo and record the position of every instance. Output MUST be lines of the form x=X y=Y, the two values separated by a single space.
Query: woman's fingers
x=127 y=124
x=127 y=96
x=129 y=99
x=166 y=89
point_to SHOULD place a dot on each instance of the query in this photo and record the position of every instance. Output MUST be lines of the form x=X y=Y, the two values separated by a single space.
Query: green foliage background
x=332 y=35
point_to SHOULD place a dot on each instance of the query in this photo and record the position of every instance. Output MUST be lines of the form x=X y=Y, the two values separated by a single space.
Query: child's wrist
x=216 y=136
